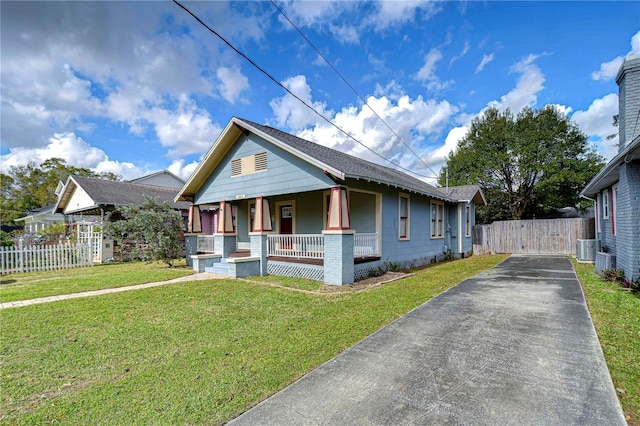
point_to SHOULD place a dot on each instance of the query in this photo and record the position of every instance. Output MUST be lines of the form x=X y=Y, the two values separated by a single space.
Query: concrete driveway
x=512 y=346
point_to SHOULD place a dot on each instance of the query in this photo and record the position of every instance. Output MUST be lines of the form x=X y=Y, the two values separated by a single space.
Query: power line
x=289 y=91
x=350 y=86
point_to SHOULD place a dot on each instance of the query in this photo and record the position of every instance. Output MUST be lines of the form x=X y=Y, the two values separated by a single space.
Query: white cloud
x=465 y=50
x=427 y=72
x=232 y=83
x=485 y=60
x=74 y=150
x=609 y=70
x=596 y=122
x=454 y=136
x=179 y=168
x=529 y=84
x=290 y=113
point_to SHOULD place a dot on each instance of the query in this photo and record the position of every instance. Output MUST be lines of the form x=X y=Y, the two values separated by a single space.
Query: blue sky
x=137 y=87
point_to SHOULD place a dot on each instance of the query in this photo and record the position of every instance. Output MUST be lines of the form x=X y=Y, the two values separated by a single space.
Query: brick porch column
x=261 y=228
x=338 y=257
x=225 y=238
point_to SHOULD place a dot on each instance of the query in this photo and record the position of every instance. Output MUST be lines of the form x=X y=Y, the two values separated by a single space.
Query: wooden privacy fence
x=538 y=236
x=27 y=258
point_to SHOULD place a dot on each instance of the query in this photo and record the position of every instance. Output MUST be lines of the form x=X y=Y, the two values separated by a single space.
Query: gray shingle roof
x=352 y=166
x=107 y=192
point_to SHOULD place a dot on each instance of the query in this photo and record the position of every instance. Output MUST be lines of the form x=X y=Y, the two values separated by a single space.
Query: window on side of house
x=403 y=213
x=614 y=208
x=605 y=204
x=468 y=219
x=437 y=219
x=249 y=165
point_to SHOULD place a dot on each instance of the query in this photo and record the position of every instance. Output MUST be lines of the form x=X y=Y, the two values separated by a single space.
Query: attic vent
x=248 y=165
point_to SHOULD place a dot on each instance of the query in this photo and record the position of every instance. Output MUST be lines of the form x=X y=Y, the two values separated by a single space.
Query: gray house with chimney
x=616 y=188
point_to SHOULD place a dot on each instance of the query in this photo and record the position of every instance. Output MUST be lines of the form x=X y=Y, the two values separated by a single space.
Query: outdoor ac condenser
x=587 y=249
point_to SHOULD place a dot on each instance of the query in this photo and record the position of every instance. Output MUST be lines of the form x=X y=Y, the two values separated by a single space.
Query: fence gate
x=538 y=236
x=90 y=233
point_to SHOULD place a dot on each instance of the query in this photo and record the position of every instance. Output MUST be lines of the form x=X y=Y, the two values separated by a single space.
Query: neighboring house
x=616 y=188
x=39 y=219
x=297 y=208
x=89 y=200
x=161 y=178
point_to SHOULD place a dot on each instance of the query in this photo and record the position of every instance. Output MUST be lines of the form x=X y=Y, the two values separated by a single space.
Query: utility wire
x=290 y=92
x=350 y=86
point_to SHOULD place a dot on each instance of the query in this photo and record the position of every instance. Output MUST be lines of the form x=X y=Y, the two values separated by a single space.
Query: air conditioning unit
x=587 y=249
x=604 y=261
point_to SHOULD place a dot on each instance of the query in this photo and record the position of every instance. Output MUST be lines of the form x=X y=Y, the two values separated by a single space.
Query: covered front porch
x=336 y=253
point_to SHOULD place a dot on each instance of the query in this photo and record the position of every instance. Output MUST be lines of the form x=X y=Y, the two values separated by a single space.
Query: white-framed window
x=468 y=219
x=614 y=208
x=437 y=219
x=404 y=207
x=605 y=204
x=598 y=208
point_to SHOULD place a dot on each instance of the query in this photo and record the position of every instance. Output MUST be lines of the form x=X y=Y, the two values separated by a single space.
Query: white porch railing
x=365 y=245
x=206 y=244
x=303 y=246
x=311 y=246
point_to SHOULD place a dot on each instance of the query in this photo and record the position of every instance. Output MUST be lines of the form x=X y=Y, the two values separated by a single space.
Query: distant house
x=89 y=200
x=38 y=219
x=616 y=188
x=294 y=207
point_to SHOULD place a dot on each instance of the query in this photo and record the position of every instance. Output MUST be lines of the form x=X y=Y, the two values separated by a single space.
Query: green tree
x=151 y=231
x=31 y=186
x=527 y=165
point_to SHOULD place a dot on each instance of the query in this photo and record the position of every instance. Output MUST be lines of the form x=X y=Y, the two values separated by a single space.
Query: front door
x=286 y=219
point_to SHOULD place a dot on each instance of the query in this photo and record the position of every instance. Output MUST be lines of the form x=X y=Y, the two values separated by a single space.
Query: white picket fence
x=28 y=258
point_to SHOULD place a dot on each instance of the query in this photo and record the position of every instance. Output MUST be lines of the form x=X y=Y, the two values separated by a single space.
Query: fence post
x=20 y=256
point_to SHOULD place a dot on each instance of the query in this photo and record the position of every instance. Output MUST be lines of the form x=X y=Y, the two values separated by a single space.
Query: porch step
x=221 y=268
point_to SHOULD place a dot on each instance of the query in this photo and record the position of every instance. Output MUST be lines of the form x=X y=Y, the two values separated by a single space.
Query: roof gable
x=338 y=164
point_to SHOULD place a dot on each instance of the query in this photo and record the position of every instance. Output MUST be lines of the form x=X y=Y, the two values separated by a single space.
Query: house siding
x=628 y=220
x=285 y=173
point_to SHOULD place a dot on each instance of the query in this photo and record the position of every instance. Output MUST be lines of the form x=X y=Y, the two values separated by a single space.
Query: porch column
x=338 y=257
x=194 y=224
x=261 y=228
x=225 y=238
x=339 y=218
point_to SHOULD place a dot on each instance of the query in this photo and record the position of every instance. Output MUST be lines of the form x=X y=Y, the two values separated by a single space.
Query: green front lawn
x=196 y=352
x=31 y=285
x=616 y=315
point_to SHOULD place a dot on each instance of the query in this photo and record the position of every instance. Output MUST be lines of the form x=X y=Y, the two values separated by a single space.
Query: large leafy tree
x=148 y=231
x=528 y=165
x=31 y=186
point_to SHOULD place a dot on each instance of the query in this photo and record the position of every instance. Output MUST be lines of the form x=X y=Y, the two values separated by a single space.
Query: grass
x=197 y=352
x=110 y=275
x=616 y=315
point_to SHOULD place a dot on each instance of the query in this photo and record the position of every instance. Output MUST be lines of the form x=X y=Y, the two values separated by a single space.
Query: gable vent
x=248 y=165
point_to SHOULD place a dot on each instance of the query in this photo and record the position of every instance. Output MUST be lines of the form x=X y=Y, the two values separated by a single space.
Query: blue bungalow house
x=287 y=206
x=616 y=188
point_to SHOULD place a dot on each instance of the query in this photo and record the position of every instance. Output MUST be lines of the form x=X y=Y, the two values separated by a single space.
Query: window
x=614 y=208
x=248 y=165
x=437 y=219
x=468 y=220
x=605 y=204
x=252 y=214
x=403 y=212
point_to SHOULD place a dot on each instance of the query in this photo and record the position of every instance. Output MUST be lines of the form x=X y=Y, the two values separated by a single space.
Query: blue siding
x=362 y=208
x=285 y=173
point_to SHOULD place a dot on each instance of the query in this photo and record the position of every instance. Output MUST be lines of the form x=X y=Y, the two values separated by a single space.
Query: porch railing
x=365 y=245
x=303 y=246
x=206 y=244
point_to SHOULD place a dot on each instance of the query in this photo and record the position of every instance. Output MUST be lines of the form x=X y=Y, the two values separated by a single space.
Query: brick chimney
x=628 y=81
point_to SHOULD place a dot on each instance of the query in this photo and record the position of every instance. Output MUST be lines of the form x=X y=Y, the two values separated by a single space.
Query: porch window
x=252 y=214
x=437 y=219
x=403 y=222
x=605 y=204
x=468 y=220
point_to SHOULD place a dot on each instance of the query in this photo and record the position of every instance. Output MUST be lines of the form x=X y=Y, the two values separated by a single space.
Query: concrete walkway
x=48 y=299
x=514 y=345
